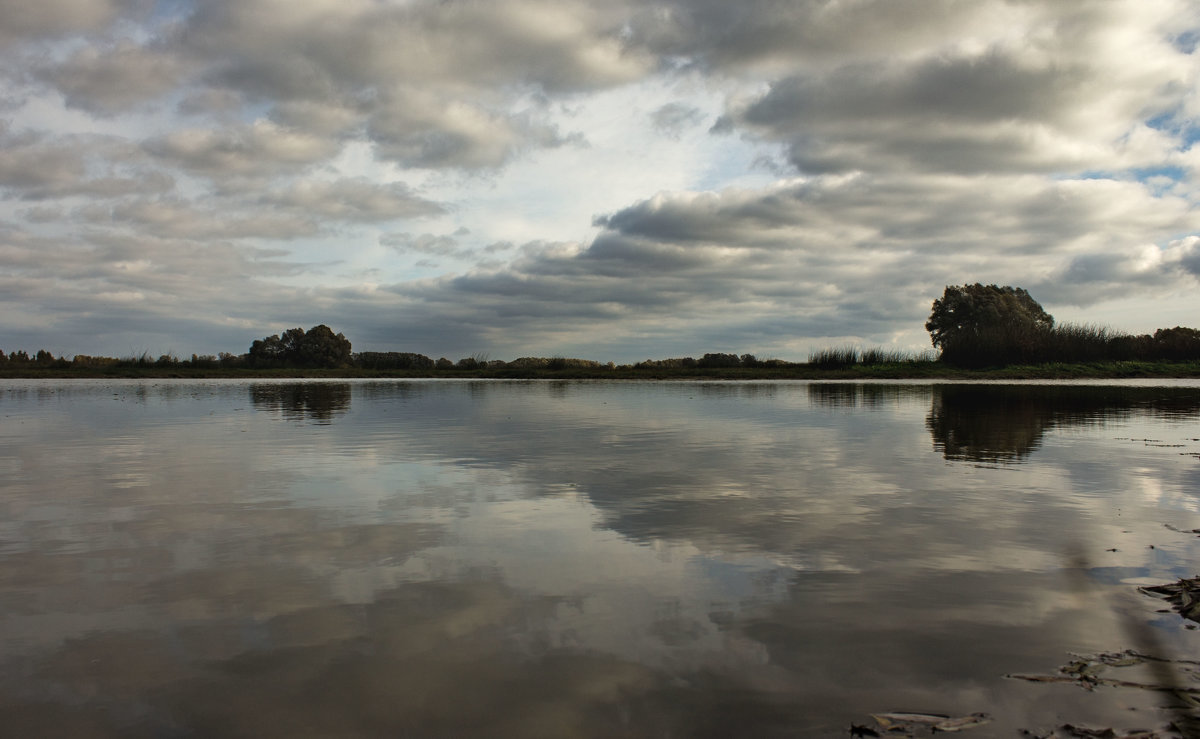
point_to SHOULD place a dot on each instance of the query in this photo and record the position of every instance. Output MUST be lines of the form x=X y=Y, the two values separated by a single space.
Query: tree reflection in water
x=581 y=559
x=319 y=402
x=1006 y=423
x=868 y=395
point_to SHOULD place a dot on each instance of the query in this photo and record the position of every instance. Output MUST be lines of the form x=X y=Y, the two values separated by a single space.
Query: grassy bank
x=904 y=370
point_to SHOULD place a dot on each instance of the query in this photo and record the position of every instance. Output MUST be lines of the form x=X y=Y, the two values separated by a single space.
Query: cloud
x=673 y=118
x=433 y=84
x=909 y=144
x=995 y=112
x=351 y=200
x=108 y=81
x=875 y=86
x=258 y=149
x=37 y=166
x=769 y=271
x=766 y=36
x=1189 y=255
x=24 y=21
x=307 y=49
x=827 y=257
x=422 y=129
x=174 y=218
x=433 y=245
x=415 y=74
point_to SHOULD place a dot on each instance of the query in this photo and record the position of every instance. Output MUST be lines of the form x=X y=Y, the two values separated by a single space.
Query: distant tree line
x=970 y=326
x=987 y=325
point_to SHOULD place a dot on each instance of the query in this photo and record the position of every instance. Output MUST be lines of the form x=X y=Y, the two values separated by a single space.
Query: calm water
x=583 y=560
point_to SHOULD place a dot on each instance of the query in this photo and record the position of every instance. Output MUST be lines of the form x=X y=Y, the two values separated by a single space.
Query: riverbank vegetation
x=991 y=326
x=977 y=331
x=572 y=369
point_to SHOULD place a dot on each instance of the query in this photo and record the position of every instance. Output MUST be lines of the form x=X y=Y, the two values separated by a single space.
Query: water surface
x=527 y=559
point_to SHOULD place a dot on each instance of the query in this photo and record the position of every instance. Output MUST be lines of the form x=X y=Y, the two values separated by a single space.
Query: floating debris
x=1087 y=673
x=1183 y=595
x=919 y=724
x=1067 y=731
x=1182 y=531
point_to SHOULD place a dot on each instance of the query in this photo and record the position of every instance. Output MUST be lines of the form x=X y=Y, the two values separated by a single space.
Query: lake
x=589 y=559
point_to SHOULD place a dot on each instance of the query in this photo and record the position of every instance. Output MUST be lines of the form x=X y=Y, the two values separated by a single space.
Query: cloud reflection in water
x=533 y=559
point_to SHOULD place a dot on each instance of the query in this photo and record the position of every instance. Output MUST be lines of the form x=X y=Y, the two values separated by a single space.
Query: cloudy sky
x=611 y=180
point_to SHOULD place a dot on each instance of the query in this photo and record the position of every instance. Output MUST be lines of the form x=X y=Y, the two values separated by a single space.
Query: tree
x=318 y=347
x=984 y=324
x=268 y=352
x=720 y=360
x=393 y=361
x=1179 y=343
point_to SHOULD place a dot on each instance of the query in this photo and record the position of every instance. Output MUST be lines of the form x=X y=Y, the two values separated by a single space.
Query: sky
x=615 y=180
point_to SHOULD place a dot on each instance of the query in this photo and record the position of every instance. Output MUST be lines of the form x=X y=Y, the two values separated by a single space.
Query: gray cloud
x=433 y=245
x=322 y=117
x=833 y=257
x=108 y=81
x=557 y=45
x=36 y=166
x=25 y=20
x=987 y=87
x=673 y=118
x=433 y=84
x=936 y=141
x=830 y=259
x=220 y=103
x=1088 y=279
x=425 y=130
x=767 y=35
x=175 y=218
x=1190 y=255
x=259 y=149
x=967 y=114
x=416 y=73
x=854 y=86
x=355 y=200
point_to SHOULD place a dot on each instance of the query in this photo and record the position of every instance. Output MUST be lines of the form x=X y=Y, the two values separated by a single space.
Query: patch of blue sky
x=172 y=10
x=1189 y=135
x=1188 y=41
x=1159 y=179
x=1169 y=171
x=1186 y=130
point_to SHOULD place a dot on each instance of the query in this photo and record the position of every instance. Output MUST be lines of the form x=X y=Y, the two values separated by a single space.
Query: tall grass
x=1069 y=343
x=848 y=356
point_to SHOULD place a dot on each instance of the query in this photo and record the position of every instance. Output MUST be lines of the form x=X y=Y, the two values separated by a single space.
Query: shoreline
x=894 y=371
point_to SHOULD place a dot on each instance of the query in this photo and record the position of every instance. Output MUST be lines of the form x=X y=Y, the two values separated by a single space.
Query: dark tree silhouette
x=1177 y=343
x=318 y=347
x=984 y=324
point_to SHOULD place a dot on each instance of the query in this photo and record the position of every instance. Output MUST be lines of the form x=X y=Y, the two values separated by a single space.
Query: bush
x=719 y=360
x=393 y=361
